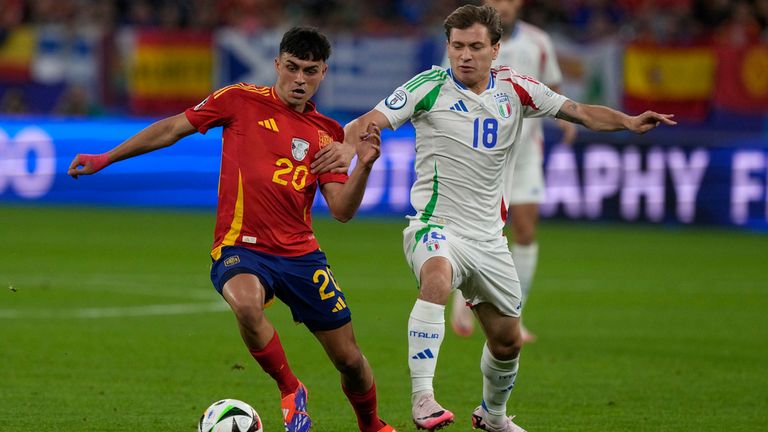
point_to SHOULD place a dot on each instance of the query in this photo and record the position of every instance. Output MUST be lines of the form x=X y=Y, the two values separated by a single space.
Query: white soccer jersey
x=529 y=51
x=463 y=141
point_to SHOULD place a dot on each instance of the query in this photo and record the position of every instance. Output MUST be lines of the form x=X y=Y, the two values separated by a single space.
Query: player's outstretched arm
x=603 y=119
x=344 y=199
x=162 y=133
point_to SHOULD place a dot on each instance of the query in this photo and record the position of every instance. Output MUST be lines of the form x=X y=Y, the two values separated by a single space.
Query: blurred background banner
x=592 y=73
x=155 y=72
x=668 y=177
x=361 y=72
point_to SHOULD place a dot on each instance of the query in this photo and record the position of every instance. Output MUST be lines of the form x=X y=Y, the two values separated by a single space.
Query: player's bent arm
x=603 y=119
x=344 y=200
x=162 y=133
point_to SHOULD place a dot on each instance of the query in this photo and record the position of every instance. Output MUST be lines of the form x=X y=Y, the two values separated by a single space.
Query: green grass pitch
x=108 y=322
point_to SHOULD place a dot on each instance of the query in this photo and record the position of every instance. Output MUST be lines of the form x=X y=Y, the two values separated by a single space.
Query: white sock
x=498 y=381
x=525 y=258
x=426 y=330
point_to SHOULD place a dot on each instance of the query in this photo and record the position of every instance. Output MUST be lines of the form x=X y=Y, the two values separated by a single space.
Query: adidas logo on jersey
x=459 y=106
x=426 y=354
x=340 y=305
x=269 y=124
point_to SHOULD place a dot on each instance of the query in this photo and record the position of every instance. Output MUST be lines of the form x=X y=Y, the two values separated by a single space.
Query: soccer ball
x=230 y=415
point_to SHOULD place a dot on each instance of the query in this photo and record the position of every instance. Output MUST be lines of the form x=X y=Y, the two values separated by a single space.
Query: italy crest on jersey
x=505 y=106
x=299 y=149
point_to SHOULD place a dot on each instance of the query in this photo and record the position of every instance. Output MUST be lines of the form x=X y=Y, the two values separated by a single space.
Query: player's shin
x=272 y=359
x=498 y=381
x=365 y=408
x=426 y=330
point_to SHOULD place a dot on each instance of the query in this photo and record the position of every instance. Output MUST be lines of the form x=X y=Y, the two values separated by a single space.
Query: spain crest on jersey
x=505 y=106
x=299 y=149
x=323 y=138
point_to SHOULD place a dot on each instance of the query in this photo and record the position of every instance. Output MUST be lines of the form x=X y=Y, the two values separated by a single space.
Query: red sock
x=364 y=405
x=272 y=360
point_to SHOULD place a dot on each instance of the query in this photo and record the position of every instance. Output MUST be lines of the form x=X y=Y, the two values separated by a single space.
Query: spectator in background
x=14 y=102
x=761 y=12
x=141 y=14
x=594 y=19
x=710 y=13
x=75 y=101
x=11 y=14
x=741 y=27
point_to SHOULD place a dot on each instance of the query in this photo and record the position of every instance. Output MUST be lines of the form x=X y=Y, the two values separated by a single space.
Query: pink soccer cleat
x=429 y=415
x=479 y=422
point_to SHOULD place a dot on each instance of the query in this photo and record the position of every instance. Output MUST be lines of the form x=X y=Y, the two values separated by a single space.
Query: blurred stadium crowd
x=660 y=21
x=64 y=48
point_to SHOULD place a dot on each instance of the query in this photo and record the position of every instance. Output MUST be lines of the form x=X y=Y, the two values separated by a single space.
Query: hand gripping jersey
x=463 y=141
x=265 y=187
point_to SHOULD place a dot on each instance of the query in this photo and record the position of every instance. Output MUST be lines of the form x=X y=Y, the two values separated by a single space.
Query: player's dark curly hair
x=467 y=15
x=306 y=43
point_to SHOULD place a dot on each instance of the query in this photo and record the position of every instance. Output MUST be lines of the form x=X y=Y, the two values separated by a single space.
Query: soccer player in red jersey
x=264 y=245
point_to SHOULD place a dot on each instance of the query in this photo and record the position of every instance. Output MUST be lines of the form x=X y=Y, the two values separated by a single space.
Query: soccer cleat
x=479 y=422
x=429 y=415
x=385 y=427
x=295 y=416
x=462 y=318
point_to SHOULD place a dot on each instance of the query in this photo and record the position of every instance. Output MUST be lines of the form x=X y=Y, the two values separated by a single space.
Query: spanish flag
x=17 y=50
x=170 y=71
x=670 y=80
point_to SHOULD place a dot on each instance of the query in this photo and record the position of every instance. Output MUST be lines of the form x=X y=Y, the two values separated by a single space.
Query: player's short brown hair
x=467 y=15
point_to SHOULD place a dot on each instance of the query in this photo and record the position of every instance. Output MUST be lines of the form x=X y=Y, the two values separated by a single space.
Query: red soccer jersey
x=265 y=187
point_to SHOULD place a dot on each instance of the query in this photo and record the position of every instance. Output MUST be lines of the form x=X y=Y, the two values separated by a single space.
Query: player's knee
x=349 y=363
x=525 y=236
x=435 y=281
x=506 y=348
x=248 y=311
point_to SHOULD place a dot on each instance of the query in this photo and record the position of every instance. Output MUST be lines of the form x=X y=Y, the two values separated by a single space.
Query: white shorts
x=483 y=271
x=524 y=182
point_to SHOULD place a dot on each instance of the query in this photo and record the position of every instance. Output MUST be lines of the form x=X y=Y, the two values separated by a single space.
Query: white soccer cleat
x=429 y=415
x=462 y=318
x=479 y=421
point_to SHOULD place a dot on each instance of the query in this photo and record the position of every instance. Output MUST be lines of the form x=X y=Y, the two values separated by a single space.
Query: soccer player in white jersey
x=529 y=51
x=468 y=120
